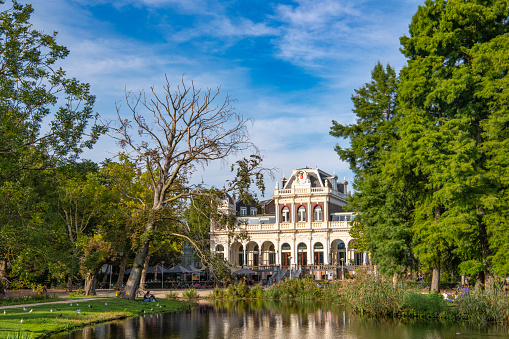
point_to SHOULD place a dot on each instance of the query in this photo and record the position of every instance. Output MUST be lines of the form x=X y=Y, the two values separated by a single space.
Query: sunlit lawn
x=64 y=316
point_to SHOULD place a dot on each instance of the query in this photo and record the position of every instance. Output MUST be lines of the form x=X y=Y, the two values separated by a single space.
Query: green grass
x=29 y=300
x=42 y=321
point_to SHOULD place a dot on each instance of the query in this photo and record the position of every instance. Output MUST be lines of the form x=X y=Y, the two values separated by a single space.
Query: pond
x=276 y=319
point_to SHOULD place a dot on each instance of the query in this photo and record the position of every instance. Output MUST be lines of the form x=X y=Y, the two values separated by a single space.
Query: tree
x=179 y=130
x=382 y=224
x=31 y=86
x=446 y=102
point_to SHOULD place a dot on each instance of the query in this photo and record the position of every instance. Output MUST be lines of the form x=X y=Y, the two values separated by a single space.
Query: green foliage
x=423 y=305
x=484 y=307
x=382 y=225
x=20 y=335
x=191 y=293
x=218 y=293
x=171 y=296
x=374 y=296
x=7 y=301
x=256 y=292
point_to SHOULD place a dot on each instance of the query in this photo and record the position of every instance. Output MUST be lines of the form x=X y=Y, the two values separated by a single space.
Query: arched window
x=285 y=255
x=301 y=214
x=285 y=214
x=318 y=254
x=302 y=254
x=317 y=213
x=220 y=251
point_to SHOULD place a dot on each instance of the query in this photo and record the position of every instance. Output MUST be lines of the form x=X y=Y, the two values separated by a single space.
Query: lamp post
x=342 y=270
x=290 y=264
x=162 y=274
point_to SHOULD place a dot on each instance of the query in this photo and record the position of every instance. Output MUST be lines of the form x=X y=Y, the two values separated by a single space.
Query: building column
x=309 y=213
x=227 y=253
x=326 y=251
x=310 y=252
x=278 y=252
x=294 y=253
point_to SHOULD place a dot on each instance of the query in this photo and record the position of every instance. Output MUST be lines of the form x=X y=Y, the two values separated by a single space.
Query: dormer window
x=243 y=211
x=253 y=211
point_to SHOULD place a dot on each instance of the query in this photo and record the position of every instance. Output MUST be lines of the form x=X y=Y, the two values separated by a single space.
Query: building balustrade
x=294 y=267
x=291 y=226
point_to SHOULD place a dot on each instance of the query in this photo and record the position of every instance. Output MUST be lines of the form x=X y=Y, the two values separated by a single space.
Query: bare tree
x=177 y=130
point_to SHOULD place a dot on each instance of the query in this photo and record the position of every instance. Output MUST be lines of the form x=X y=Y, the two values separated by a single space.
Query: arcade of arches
x=294 y=254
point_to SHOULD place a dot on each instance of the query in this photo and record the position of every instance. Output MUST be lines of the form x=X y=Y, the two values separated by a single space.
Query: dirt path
x=159 y=294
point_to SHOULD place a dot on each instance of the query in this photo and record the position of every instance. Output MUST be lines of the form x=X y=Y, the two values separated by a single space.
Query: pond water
x=274 y=319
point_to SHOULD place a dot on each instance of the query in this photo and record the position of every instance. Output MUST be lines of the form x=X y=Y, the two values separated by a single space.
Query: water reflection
x=271 y=319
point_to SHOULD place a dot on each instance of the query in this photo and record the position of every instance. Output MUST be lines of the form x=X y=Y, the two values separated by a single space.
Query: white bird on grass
x=21 y=322
x=30 y=311
x=70 y=304
x=5 y=312
x=24 y=309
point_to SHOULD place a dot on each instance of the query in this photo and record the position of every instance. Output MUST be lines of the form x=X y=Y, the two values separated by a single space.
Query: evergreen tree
x=382 y=224
x=442 y=129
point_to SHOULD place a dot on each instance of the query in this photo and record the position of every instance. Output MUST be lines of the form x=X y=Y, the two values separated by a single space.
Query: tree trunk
x=135 y=276
x=3 y=268
x=435 y=276
x=105 y=277
x=90 y=282
x=120 y=279
x=435 y=271
x=487 y=278
x=69 y=284
x=395 y=280
x=143 y=279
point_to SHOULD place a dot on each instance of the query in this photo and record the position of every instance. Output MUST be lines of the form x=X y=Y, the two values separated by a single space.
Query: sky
x=292 y=66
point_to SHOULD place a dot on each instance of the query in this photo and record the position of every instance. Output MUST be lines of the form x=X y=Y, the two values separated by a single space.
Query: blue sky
x=292 y=65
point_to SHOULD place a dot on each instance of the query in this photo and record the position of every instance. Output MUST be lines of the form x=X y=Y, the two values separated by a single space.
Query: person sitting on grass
x=149 y=297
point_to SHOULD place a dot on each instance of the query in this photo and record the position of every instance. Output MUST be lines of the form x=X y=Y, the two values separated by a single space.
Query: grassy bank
x=376 y=297
x=41 y=320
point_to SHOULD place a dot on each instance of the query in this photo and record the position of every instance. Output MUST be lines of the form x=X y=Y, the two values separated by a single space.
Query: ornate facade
x=303 y=229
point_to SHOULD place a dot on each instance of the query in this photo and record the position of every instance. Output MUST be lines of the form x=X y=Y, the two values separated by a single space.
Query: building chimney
x=283 y=182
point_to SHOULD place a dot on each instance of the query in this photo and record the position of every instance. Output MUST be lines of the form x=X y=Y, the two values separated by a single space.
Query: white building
x=303 y=229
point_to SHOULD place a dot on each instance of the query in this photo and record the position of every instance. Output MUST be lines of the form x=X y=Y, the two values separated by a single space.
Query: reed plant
x=171 y=296
x=373 y=295
x=416 y=304
x=191 y=293
x=19 y=335
x=484 y=306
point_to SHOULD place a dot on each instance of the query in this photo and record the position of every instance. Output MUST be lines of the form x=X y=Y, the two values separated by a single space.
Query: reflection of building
x=303 y=228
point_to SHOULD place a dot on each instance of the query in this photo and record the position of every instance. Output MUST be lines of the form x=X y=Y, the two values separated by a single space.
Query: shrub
x=218 y=293
x=256 y=292
x=230 y=291
x=171 y=295
x=190 y=293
